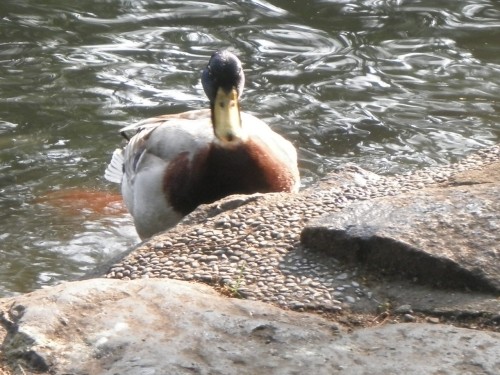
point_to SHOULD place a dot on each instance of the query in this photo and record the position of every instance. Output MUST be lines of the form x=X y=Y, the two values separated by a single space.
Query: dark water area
x=389 y=85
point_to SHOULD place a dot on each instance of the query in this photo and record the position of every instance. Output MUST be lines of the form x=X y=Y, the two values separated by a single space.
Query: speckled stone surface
x=250 y=246
x=446 y=236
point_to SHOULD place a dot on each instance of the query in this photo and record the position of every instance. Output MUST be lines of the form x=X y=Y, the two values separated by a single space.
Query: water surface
x=389 y=85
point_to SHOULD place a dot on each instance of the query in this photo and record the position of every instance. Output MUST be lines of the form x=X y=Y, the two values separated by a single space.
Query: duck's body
x=174 y=163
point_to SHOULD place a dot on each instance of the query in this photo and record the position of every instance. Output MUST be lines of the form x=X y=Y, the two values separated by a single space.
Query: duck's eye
x=221 y=104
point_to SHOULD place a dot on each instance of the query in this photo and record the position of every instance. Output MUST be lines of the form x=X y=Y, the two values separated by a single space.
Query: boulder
x=164 y=326
x=447 y=236
x=444 y=233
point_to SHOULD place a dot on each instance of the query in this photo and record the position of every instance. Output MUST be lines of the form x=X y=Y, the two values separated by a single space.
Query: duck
x=173 y=163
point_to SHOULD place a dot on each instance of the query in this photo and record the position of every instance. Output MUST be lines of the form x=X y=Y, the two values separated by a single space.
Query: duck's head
x=223 y=82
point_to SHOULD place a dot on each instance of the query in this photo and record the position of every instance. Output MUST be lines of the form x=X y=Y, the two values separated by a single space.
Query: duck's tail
x=114 y=171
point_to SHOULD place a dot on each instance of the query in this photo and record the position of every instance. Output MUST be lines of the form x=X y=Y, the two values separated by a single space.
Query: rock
x=453 y=305
x=408 y=318
x=147 y=326
x=104 y=326
x=447 y=236
x=209 y=210
x=262 y=231
x=403 y=309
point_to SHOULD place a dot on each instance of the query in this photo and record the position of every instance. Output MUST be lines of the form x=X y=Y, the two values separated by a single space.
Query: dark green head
x=223 y=82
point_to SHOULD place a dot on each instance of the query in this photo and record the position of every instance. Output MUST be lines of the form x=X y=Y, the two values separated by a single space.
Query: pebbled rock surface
x=250 y=247
x=172 y=327
x=447 y=236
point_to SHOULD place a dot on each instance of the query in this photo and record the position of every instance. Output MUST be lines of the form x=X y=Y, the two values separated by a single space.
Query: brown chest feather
x=216 y=172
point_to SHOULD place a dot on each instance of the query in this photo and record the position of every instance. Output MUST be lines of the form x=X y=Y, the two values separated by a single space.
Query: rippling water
x=389 y=85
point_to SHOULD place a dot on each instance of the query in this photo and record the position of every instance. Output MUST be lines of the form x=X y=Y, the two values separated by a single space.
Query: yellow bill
x=226 y=117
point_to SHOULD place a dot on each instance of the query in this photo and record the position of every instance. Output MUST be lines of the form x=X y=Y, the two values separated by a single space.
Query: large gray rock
x=171 y=327
x=447 y=236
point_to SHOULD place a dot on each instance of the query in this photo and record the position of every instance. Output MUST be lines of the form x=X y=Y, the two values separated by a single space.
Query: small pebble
x=408 y=318
x=403 y=309
x=433 y=320
x=350 y=299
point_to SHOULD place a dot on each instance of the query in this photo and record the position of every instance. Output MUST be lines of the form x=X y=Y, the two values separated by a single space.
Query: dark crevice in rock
x=465 y=183
x=17 y=345
x=390 y=257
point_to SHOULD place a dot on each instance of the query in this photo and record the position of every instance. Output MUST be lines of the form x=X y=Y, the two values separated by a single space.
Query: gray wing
x=161 y=139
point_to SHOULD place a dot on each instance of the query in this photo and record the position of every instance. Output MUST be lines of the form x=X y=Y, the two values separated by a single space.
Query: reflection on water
x=390 y=85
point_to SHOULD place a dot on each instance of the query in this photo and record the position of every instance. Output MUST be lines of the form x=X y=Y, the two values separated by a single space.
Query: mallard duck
x=174 y=163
